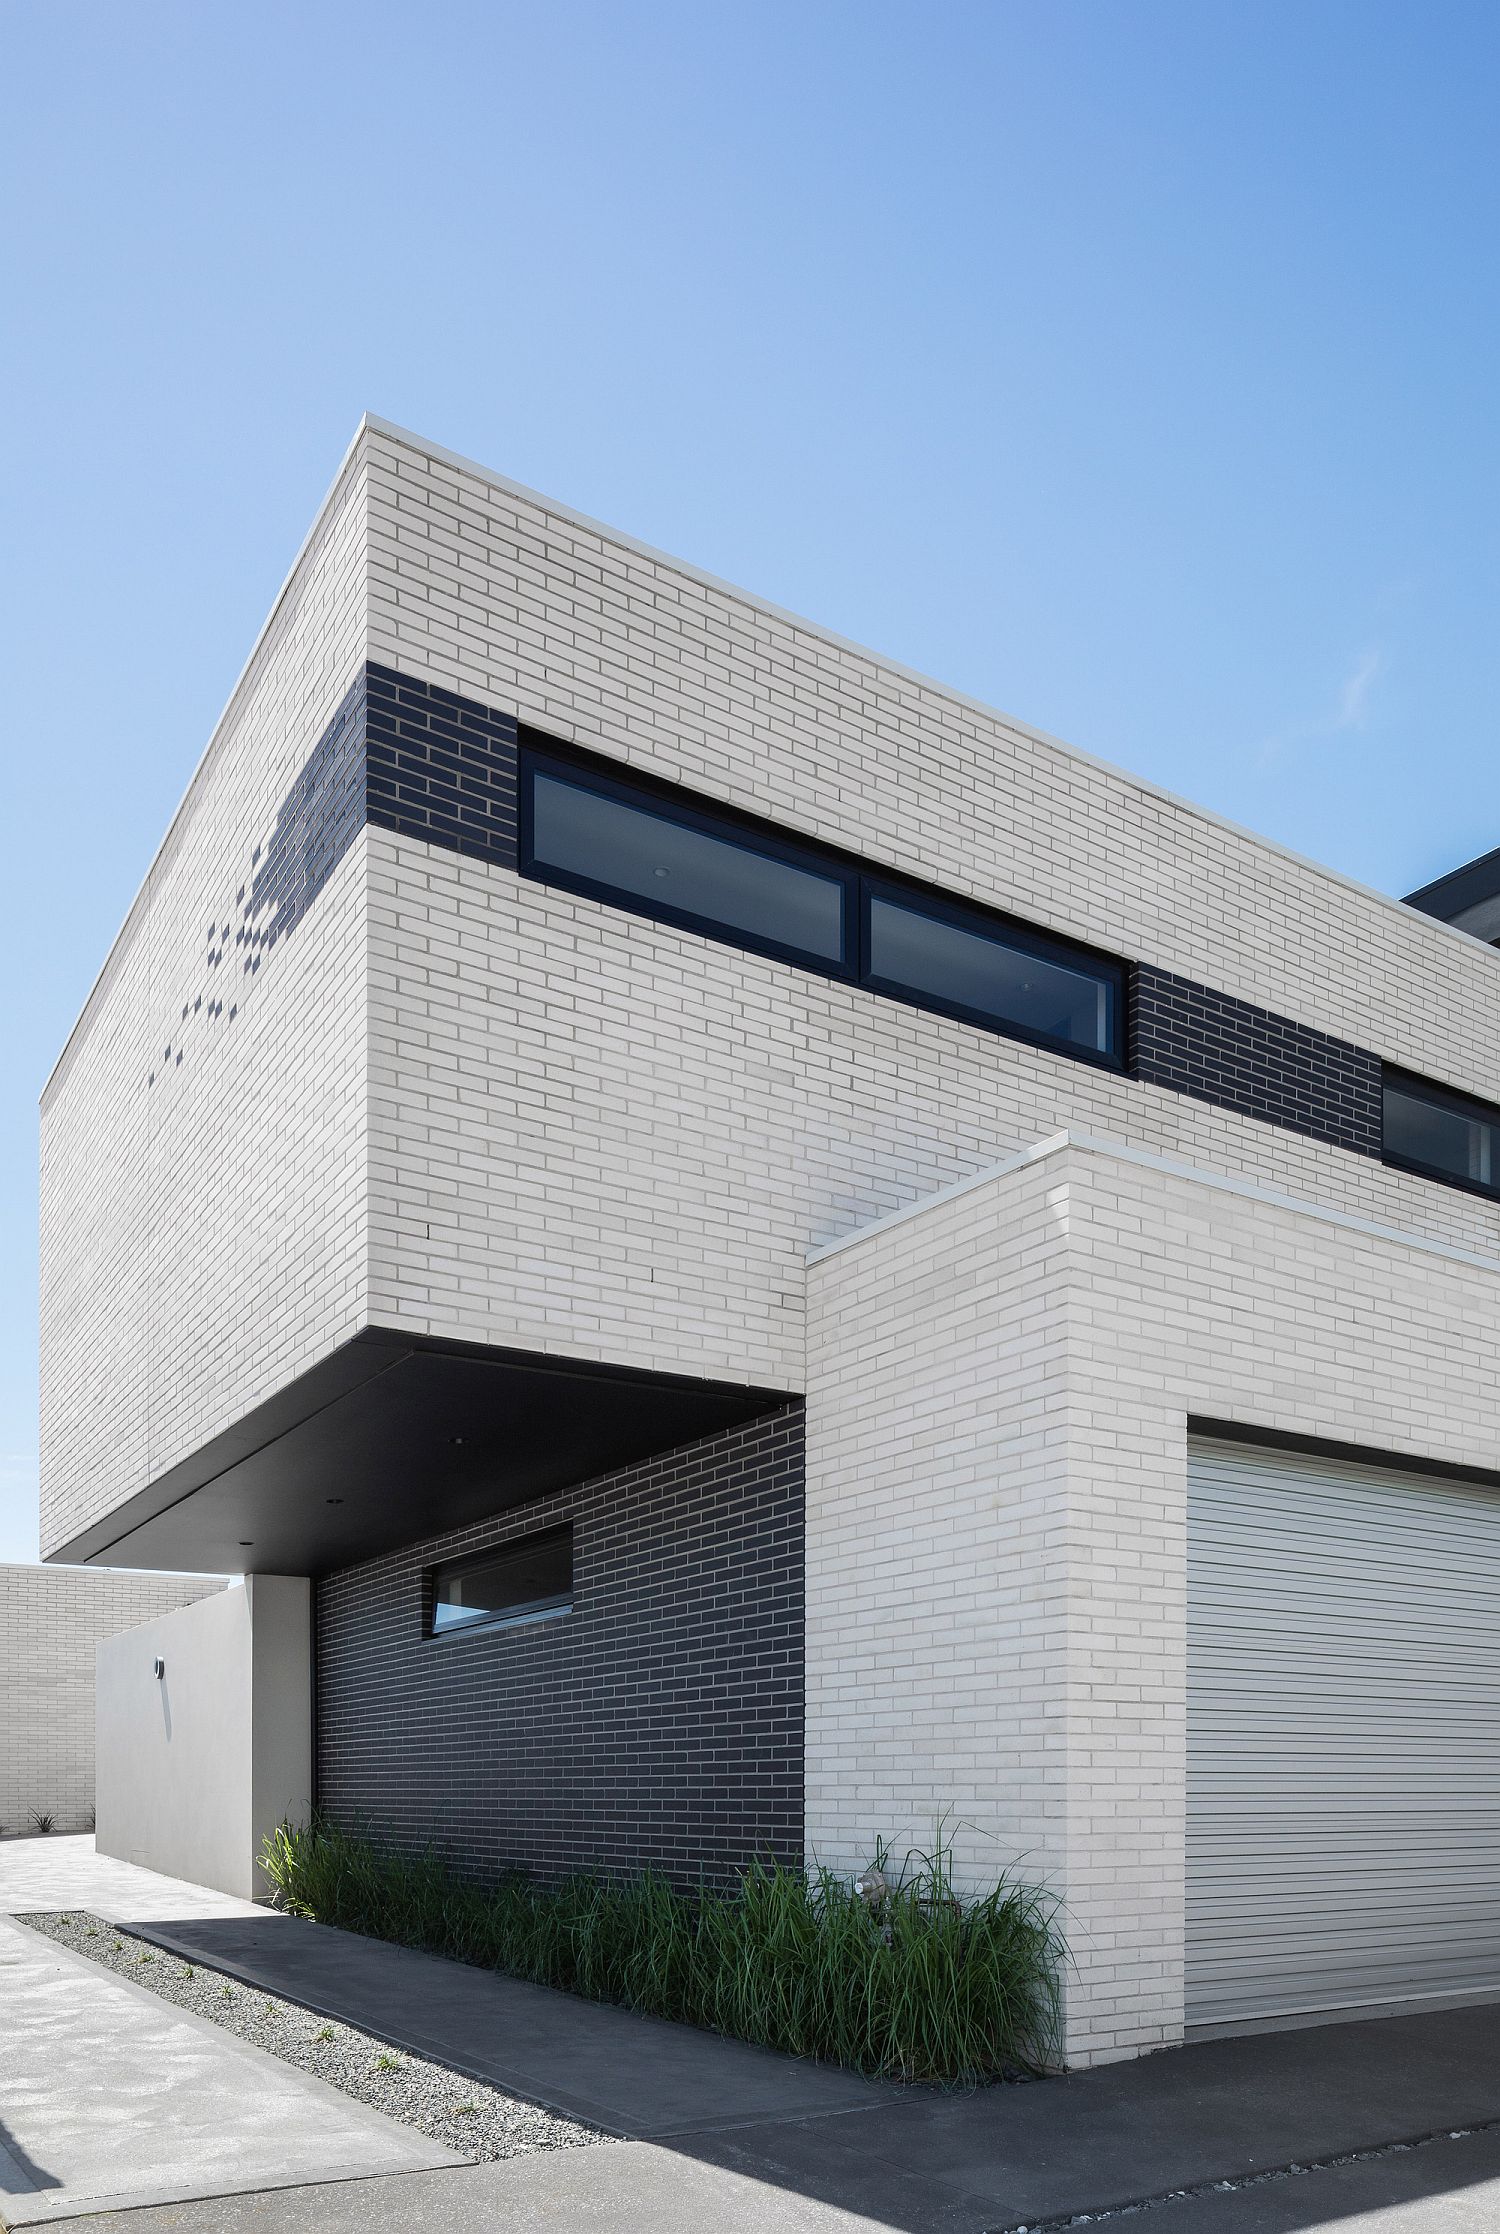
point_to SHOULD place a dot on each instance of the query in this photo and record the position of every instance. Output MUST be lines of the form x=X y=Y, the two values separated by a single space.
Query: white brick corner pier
x=1001 y=1386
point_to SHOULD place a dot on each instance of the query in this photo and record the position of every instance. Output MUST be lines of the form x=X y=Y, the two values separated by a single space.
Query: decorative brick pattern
x=51 y=1618
x=1196 y=1041
x=659 y=1722
x=315 y=826
x=441 y=767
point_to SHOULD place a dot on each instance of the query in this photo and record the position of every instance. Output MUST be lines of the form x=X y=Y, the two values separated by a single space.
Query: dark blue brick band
x=439 y=767
x=1195 y=1041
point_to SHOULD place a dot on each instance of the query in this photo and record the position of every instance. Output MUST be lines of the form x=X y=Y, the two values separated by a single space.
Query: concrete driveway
x=1388 y=2128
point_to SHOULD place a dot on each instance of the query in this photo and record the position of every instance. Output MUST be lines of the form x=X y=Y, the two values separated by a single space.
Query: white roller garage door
x=1343 y=1833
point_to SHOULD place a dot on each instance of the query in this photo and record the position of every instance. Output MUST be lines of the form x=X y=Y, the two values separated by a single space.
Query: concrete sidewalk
x=41 y=1874
x=110 y=2096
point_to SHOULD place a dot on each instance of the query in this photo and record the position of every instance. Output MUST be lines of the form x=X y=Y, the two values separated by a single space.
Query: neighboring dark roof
x=1460 y=890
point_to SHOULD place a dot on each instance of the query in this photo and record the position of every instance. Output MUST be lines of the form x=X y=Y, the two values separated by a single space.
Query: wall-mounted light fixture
x=160 y=1667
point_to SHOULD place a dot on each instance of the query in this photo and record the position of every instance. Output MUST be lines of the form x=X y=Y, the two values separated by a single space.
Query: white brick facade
x=466 y=1105
x=999 y=1393
x=51 y=1618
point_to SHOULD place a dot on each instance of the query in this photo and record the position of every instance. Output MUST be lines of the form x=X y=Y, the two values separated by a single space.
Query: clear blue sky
x=1133 y=366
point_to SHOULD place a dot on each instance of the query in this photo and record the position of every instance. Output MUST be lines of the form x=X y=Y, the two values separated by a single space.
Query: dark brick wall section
x=440 y=767
x=659 y=1722
x=1219 y=1049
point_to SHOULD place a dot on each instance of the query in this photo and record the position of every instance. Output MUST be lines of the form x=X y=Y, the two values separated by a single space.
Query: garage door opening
x=1343 y=1817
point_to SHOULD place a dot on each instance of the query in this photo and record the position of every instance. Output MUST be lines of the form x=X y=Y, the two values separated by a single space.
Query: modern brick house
x=795 y=1257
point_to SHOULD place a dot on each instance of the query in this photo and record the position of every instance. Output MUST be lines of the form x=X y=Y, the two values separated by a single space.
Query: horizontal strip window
x=946 y=956
x=603 y=838
x=740 y=881
x=526 y=1581
x=1440 y=1134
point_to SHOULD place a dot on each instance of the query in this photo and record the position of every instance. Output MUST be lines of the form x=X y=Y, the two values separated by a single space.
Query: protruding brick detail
x=660 y=1722
x=1197 y=1041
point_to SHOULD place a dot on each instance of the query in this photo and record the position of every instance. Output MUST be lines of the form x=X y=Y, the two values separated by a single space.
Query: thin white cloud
x=1354 y=692
x=1350 y=710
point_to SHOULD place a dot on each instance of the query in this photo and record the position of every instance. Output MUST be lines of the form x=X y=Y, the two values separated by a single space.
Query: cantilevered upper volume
x=411 y=1073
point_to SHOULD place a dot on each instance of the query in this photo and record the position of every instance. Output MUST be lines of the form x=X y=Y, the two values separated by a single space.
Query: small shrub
x=42 y=1824
x=895 y=1977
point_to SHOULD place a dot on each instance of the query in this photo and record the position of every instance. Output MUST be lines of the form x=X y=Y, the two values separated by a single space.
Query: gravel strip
x=475 y=2119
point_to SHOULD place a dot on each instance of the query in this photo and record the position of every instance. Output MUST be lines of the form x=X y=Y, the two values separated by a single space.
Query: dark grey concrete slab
x=898 y=2158
x=631 y=2075
x=1224 y=2110
x=1452 y=2187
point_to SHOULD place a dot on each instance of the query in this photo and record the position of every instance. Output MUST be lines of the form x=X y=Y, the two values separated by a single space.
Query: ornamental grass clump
x=894 y=1977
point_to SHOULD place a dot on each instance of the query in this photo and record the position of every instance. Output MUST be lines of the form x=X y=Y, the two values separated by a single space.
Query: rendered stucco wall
x=198 y=1765
x=1000 y=1386
x=51 y=1618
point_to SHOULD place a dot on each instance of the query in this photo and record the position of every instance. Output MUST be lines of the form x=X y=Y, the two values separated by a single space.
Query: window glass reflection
x=669 y=864
x=515 y=1583
x=1442 y=1136
x=979 y=970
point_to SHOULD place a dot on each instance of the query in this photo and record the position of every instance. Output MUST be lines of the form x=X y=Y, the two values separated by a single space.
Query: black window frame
x=710 y=822
x=572 y=764
x=523 y=1616
x=1020 y=938
x=1457 y=1104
